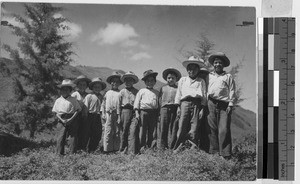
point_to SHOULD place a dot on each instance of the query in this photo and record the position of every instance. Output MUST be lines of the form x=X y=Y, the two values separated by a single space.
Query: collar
x=215 y=73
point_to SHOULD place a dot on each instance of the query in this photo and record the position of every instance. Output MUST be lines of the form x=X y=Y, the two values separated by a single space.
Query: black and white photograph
x=128 y=92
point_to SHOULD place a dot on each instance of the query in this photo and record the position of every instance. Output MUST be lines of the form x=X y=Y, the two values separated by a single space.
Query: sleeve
x=102 y=109
x=54 y=109
x=137 y=100
x=178 y=93
x=74 y=95
x=119 y=105
x=204 y=93
x=86 y=102
x=232 y=88
x=160 y=96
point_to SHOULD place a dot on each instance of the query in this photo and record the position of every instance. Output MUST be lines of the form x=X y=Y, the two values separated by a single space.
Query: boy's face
x=65 y=91
x=97 y=88
x=171 y=79
x=193 y=70
x=82 y=85
x=115 y=83
x=128 y=82
x=218 y=65
x=150 y=82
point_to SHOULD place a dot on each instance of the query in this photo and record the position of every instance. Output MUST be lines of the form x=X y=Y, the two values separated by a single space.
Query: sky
x=141 y=37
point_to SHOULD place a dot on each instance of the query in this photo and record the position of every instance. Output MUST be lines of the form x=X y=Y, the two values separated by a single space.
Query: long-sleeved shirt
x=167 y=95
x=93 y=103
x=146 y=99
x=187 y=87
x=110 y=101
x=126 y=98
x=67 y=105
x=221 y=87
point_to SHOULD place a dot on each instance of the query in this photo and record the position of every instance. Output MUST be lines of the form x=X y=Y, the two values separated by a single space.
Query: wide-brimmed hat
x=130 y=74
x=149 y=73
x=194 y=60
x=173 y=70
x=221 y=56
x=114 y=74
x=82 y=78
x=66 y=82
x=97 y=80
x=204 y=70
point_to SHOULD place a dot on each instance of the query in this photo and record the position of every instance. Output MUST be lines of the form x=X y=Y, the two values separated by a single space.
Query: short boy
x=93 y=128
x=126 y=101
x=66 y=109
x=146 y=110
x=167 y=107
x=82 y=83
x=221 y=94
x=110 y=104
x=190 y=97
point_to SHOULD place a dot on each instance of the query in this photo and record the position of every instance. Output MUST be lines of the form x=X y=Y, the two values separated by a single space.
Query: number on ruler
x=292 y=98
x=283 y=61
x=292 y=82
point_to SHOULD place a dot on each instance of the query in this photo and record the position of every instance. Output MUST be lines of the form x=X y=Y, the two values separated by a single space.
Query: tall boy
x=168 y=108
x=93 y=128
x=126 y=101
x=66 y=109
x=191 y=97
x=146 y=109
x=110 y=104
x=221 y=94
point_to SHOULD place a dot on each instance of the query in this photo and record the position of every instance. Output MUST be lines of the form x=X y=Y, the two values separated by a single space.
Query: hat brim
x=154 y=74
x=103 y=85
x=134 y=77
x=167 y=71
x=225 y=59
x=66 y=85
x=108 y=80
x=204 y=71
x=87 y=80
x=186 y=63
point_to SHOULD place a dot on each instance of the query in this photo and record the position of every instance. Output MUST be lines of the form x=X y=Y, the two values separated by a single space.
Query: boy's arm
x=63 y=121
x=204 y=93
x=136 y=105
x=232 y=89
x=102 y=109
x=68 y=121
x=178 y=92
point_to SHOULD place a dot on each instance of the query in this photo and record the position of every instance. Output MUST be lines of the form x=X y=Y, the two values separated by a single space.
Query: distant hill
x=242 y=120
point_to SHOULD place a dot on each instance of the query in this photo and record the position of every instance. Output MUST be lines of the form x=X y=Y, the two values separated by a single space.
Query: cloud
x=140 y=56
x=73 y=31
x=116 y=33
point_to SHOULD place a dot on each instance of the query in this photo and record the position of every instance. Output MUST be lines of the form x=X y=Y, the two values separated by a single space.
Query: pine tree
x=40 y=55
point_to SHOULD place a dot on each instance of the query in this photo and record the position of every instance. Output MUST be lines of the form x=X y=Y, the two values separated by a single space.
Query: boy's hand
x=201 y=114
x=119 y=120
x=229 y=109
x=137 y=116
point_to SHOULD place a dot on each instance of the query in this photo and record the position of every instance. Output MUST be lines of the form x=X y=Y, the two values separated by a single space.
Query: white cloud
x=73 y=31
x=140 y=56
x=116 y=33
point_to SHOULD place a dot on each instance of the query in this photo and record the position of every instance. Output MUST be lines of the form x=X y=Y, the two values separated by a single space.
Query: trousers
x=148 y=124
x=126 y=118
x=167 y=118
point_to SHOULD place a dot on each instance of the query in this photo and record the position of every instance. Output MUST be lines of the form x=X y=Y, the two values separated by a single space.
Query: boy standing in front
x=146 y=110
x=66 y=108
x=126 y=101
x=168 y=108
x=190 y=97
x=221 y=94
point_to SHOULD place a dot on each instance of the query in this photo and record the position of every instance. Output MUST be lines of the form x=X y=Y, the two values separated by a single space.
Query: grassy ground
x=189 y=165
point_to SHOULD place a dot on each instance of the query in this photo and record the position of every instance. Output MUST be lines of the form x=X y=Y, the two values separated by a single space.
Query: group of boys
x=135 y=120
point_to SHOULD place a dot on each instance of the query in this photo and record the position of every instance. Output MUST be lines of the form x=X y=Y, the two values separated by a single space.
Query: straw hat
x=168 y=70
x=130 y=75
x=149 y=73
x=114 y=74
x=82 y=78
x=221 y=56
x=194 y=60
x=97 y=80
x=204 y=70
x=66 y=82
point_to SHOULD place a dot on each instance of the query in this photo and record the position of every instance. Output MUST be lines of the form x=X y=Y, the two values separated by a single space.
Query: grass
x=189 y=165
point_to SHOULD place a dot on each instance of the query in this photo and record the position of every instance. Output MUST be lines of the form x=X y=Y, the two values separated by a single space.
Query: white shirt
x=221 y=87
x=67 y=105
x=146 y=99
x=93 y=103
x=110 y=101
x=187 y=87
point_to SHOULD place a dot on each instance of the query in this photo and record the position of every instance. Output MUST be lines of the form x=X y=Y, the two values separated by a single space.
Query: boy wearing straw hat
x=82 y=83
x=167 y=107
x=221 y=94
x=93 y=126
x=146 y=110
x=110 y=105
x=66 y=109
x=126 y=101
x=191 y=97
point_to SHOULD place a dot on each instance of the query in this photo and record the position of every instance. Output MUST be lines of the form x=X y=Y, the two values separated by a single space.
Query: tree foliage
x=41 y=53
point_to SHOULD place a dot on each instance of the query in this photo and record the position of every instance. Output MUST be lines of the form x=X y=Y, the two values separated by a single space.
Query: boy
x=82 y=83
x=93 y=127
x=221 y=93
x=110 y=104
x=126 y=101
x=66 y=109
x=168 y=108
x=190 y=97
x=146 y=110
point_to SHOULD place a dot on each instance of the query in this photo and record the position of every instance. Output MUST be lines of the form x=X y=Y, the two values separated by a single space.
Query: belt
x=191 y=99
x=127 y=107
x=215 y=101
